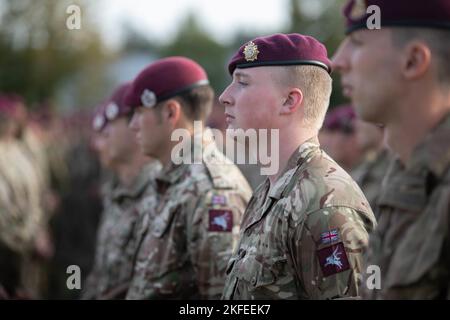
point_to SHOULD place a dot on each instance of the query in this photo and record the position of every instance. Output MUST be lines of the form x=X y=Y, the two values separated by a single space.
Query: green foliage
x=38 y=54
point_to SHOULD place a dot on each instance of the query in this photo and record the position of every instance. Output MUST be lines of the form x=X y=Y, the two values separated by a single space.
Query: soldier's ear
x=416 y=60
x=171 y=112
x=291 y=101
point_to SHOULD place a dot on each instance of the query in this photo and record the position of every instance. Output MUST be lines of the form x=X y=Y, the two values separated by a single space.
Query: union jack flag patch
x=330 y=236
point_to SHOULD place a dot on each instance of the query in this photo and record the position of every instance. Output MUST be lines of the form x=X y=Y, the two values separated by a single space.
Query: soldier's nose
x=225 y=98
x=339 y=61
x=134 y=123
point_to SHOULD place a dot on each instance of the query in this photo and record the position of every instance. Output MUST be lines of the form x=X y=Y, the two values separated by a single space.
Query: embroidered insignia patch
x=329 y=236
x=218 y=199
x=333 y=259
x=220 y=220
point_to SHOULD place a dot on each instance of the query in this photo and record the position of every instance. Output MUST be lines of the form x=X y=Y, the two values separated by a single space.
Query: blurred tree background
x=40 y=57
x=45 y=62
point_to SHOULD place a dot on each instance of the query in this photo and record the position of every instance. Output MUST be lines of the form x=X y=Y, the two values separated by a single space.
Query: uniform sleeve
x=328 y=253
x=212 y=233
x=16 y=226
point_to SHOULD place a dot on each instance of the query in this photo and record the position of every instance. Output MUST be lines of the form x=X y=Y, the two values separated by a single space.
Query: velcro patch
x=220 y=220
x=333 y=259
x=330 y=236
x=219 y=199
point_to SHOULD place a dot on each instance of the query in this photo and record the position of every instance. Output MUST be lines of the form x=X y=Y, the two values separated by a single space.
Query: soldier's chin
x=145 y=151
x=230 y=126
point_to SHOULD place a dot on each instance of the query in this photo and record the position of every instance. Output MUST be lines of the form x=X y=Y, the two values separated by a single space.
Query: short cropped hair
x=197 y=103
x=316 y=85
x=438 y=41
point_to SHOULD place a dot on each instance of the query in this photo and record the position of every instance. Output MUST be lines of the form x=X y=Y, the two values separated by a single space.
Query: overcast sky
x=159 y=19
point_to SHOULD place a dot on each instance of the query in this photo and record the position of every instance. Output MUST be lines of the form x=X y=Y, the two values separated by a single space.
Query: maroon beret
x=403 y=13
x=164 y=79
x=341 y=118
x=115 y=106
x=281 y=50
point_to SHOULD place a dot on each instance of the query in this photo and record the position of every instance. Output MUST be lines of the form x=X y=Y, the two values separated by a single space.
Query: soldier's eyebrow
x=240 y=75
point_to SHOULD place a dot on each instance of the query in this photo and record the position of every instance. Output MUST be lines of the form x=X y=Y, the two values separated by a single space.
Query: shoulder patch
x=333 y=259
x=220 y=220
x=329 y=236
x=219 y=199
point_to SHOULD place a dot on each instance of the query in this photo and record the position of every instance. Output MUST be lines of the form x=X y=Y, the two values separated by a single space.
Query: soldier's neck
x=128 y=171
x=290 y=141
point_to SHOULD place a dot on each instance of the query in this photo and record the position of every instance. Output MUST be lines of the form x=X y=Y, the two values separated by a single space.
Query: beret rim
x=167 y=96
x=284 y=63
x=410 y=23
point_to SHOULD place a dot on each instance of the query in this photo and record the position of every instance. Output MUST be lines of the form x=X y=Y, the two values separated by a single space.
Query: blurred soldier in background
x=24 y=240
x=195 y=214
x=133 y=176
x=358 y=146
x=370 y=172
x=74 y=225
x=338 y=137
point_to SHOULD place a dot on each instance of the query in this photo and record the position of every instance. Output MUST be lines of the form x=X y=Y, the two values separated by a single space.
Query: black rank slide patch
x=220 y=220
x=333 y=259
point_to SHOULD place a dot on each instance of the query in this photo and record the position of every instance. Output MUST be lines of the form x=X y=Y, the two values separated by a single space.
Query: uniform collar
x=283 y=185
x=300 y=156
x=409 y=186
x=138 y=185
x=201 y=146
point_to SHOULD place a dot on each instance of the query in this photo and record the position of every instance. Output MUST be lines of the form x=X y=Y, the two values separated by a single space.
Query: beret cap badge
x=358 y=9
x=148 y=98
x=251 y=51
x=98 y=123
x=112 y=110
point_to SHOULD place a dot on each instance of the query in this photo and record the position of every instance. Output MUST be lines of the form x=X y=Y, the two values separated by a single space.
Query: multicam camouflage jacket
x=194 y=225
x=117 y=241
x=304 y=237
x=411 y=245
x=21 y=214
x=370 y=172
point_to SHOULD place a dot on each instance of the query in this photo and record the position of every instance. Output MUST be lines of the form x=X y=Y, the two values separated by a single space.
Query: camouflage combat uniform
x=411 y=244
x=21 y=218
x=370 y=173
x=303 y=238
x=117 y=242
x=195 y=219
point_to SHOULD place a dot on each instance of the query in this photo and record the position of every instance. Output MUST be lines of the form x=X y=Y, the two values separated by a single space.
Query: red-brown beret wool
x=111 y=108
x=402 y=13
x=341 y=118
x=115 y=106
x=281 y=50
x=164 y=79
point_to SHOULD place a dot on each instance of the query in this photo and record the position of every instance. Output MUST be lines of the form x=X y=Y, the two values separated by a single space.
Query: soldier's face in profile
x=121 y=141
x=149 y=130
x=252 y=99
x=370 y=72
x=100 y=144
